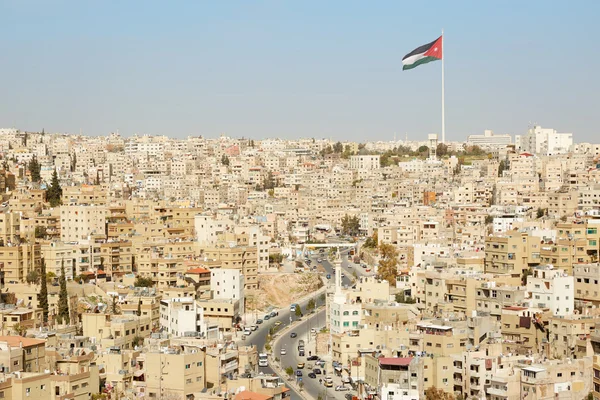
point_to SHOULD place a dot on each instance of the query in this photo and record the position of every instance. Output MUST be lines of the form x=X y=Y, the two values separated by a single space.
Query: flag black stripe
x=420 y=49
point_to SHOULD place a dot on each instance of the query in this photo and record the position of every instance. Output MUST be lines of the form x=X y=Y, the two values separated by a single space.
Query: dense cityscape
x=204 y=268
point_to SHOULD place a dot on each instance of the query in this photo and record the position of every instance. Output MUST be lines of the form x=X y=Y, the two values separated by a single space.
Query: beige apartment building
x=237 y=257
x=116 y=259
x=20 y=260
x=587 y=290
x=10 y=228
x=523 y=330
x=551 y=379
x=57 y=254
x=83 y=195
x=116 y=330
x=178 y=372
x=568 y=337
x=510 y=254
x=78 y=222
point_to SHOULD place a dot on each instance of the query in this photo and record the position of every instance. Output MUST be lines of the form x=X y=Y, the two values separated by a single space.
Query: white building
x=77 y=222
x=505 y=223
x=343 y=315
x=208 y=228
x=489 y=139
x=553 y=289
x=364 y=162
x=544 y=141
x=228 y=284
x=182 y=316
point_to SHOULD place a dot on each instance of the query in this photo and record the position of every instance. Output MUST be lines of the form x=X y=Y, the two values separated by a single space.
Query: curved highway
x=302 y=329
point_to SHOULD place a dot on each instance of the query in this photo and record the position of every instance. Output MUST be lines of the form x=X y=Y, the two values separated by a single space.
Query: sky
x=290 y=69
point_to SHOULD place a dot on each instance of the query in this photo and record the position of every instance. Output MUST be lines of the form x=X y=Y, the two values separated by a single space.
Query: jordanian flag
x=424 y=54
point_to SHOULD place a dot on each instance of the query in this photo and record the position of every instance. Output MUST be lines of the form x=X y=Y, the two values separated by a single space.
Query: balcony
x=229 y=367
x=497 y=392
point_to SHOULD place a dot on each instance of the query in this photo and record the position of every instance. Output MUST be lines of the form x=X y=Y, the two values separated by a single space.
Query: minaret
x=338 y=279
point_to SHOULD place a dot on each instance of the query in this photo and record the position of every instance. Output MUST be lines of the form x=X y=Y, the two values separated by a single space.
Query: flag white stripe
x=413 y=59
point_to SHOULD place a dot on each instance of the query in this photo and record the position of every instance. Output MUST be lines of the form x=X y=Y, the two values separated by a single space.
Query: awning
x=138 y=373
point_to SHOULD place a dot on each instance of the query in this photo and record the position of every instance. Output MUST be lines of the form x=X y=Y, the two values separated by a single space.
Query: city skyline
x=290 y=70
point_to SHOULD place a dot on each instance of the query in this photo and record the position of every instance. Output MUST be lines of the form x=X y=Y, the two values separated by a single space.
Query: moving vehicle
x=313 y=331
x=317 y=371
x=312 y=358
x=259 y=321
x=283 y=352
x=263 y=360
x=293 y=308
x=254 y=327
x=300 y=365
x=311 y=375
x=267 y=317
x=328 y=276
x=293 y=335
x=298 y=373
x=273 y=314
x=277 y=323
x=328 y=384
x=301 y=353
x=247 y=331
x=319 y=260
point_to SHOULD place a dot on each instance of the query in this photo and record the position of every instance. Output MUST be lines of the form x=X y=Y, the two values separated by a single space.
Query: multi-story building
x=78 y=222
x=182 y=317
x=553 y=289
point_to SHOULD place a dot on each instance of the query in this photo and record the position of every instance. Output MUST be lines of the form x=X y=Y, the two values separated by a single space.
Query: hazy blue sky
x=298 y=68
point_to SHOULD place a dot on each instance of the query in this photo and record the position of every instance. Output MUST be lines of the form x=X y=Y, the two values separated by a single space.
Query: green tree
x=54 y=192
x=350 y=225
x=540 y=213
x=338 y=147
x=225 y=160
x=63 y=298
x=19 y=329
x=298 y=311
x=441 y=150
x=371 y=241
x=141 y=281
x=311 y=305
x=388 y=264
x=40 y=232
x=423 y=149
x=401 y=298
x=489 y=219
x=43 y=297
x=33 y=277
x=113 y=305
x=73 y=162
x=137 y=340
x=434 y=393
x=289 y=371
x=139 y=310
x=35 y=169
x=502 y=167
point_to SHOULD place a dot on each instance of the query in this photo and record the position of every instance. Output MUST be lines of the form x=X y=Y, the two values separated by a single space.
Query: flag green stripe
x=423 y=60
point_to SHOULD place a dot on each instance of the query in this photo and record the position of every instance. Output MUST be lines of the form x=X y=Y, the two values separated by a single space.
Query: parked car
x=267 y=317
x=348 y=396
x=312 y=358
x=317 y=371
x=328 y=276
x=259 y=321
x=328 y=384
x=293 y=335
x=254 y=327
x=341 y=388
x=273 y=314
x=301 y=353
x=311 y=375
x=298 y=373
x=313 y=331
x=300 y=365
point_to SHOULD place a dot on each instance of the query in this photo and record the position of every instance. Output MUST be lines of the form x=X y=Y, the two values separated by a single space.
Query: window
x=199 y=364
x=187 y=366
x=346 y=323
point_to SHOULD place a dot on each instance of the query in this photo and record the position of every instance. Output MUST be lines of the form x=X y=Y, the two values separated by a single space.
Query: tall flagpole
x=443 y=97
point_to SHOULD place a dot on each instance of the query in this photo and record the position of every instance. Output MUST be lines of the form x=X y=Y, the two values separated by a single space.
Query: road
x=317 y=320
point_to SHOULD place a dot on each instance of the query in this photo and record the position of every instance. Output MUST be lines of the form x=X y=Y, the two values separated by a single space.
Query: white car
x=247 y=331
x=283 y=352
x=313 y=331
x=254 y=327
x=341 y=388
